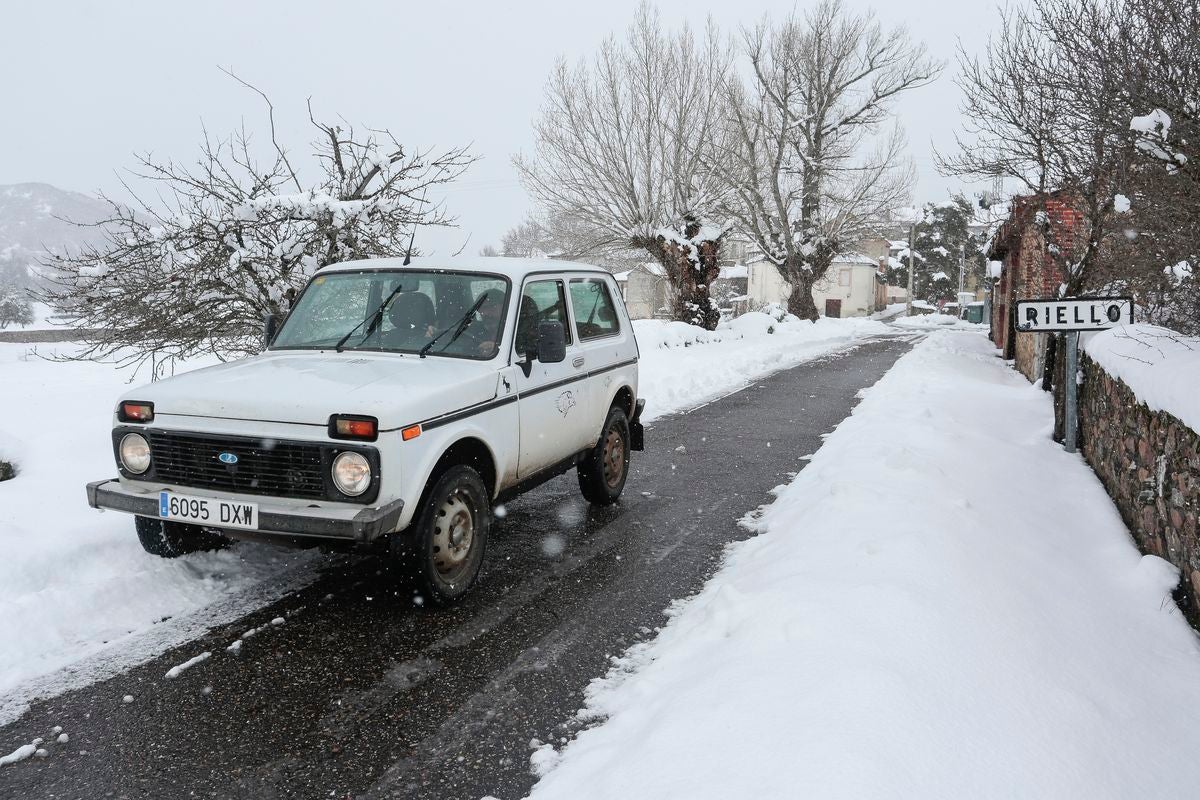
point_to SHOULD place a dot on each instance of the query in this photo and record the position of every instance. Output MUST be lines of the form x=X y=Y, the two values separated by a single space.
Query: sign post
x=1071 y=422
x=1071 y=315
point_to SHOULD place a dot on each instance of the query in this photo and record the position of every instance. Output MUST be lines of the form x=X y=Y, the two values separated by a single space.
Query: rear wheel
x=443 y=550
x=603 y=471
x=170 y=539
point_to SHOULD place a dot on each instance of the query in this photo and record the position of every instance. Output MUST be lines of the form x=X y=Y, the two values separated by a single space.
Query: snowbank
x=652 y=333
x=74 y=582
x=1160 y=366
x=943 y=604
x=927 y=322
x=683 y=366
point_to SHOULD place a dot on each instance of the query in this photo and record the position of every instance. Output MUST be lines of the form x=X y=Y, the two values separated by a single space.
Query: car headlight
x=351 y=473
x=135 y=453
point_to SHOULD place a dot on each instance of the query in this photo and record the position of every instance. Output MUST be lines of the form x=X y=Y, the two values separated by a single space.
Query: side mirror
x=270 y=327
x=551 y=342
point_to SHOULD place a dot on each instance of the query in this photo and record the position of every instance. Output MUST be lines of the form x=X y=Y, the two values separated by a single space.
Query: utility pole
x=962 y=271
x=912 y=240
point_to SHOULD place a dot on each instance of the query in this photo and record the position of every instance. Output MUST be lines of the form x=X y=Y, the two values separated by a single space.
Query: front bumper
x=358 y=525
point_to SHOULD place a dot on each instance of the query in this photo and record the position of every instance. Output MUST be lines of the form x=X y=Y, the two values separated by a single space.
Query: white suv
x=394 y=406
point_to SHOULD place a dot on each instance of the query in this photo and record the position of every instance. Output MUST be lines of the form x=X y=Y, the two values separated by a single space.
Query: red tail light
x=345 y=426
x=133 y=411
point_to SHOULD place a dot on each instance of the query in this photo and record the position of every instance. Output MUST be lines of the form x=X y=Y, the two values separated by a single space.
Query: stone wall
x=1150 y=463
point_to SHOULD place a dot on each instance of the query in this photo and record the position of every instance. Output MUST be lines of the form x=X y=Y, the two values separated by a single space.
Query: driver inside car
x=480 y=337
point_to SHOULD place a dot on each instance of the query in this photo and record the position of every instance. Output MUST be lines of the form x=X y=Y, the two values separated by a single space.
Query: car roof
x=513 y=268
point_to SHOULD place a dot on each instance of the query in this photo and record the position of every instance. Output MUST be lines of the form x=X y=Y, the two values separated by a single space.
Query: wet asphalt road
x=361 y=693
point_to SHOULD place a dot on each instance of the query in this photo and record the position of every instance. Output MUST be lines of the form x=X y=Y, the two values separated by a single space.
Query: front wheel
x=443 y=551
x=170 y=539
x=603 y=471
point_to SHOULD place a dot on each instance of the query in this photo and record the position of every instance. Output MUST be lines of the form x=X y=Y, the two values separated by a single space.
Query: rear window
x=595 y=312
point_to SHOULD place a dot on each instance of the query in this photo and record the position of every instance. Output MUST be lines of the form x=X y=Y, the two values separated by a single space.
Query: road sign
x=1074 y=314
x=1071 y=315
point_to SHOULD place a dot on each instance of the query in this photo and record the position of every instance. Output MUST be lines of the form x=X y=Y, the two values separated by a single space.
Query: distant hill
x=37 y=218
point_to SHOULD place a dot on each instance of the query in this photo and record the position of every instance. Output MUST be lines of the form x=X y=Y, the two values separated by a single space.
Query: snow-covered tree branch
x=229 y=239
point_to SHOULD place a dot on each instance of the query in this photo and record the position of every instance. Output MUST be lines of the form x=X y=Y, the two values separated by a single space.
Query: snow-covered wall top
x=1160 y=366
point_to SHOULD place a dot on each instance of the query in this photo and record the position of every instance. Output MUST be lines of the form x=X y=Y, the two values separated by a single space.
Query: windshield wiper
x=461 y=325
x=376 y=318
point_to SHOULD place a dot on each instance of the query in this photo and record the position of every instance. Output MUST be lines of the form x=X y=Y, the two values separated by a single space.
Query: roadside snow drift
x=943 y=604
x=683 y=365
x=74 y=582
x=1161 y=366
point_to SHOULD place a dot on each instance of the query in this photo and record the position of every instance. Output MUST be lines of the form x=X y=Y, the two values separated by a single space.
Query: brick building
x=1028 y=271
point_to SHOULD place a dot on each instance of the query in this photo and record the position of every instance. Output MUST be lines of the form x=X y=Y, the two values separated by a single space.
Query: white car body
x=531 y=427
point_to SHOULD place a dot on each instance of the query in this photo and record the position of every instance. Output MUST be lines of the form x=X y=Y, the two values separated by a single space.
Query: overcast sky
x=86 y=84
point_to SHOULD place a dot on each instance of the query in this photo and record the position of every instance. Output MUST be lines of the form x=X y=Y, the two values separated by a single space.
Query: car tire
x=170 y=539
x=604 y=470
x=442 y=552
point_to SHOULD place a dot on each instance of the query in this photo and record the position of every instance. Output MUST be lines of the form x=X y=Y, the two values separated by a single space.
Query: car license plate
x=208 y=511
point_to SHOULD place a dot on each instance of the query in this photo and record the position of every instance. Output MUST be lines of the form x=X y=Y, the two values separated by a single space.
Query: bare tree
x=230 y=239
x=1071 y=101
x=1157 y=52
x=620 y=147
x=806 y=153
x=1045 y=108
x=14 y=306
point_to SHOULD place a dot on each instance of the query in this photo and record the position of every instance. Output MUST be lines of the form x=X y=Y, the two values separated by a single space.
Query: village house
x=852 y=287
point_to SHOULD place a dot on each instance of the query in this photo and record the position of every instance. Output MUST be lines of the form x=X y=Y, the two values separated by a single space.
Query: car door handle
x=578 y=362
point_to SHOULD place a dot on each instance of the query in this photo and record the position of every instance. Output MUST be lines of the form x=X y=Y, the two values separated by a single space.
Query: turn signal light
x=344 y=426
x=132 y=411
x=411 y=432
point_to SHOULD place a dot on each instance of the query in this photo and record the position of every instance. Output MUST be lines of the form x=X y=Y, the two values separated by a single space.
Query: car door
x=554 y=421
x=604 y=340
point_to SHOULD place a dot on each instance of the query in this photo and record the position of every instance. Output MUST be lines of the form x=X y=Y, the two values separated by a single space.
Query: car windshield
x=417 y=307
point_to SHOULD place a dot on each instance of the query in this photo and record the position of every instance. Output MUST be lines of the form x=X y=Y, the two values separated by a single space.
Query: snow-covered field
x=943 y=604
x=41 y=319
x=79 y=599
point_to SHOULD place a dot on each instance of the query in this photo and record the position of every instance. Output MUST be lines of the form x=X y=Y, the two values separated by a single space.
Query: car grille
x=264 y=466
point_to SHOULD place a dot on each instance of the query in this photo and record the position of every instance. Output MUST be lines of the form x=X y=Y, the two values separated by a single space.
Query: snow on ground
x=932 y=322
x=42 y=314
x=74 y=582
x=943 y=604
x=1159 y=365
x=890 y=311
x=683 y=365
x=79 y=599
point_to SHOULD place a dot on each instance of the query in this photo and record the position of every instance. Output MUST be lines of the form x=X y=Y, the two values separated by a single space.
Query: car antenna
x=413 y=238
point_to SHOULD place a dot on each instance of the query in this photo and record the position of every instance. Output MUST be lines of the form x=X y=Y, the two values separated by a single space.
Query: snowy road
x=344 y=688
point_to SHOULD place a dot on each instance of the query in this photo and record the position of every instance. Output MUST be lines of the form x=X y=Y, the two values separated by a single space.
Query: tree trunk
x=690 y=273
x=693 y=295
x=800 y=301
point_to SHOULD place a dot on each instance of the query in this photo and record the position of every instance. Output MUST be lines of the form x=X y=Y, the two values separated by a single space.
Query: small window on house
x=595 y=314
x=844 y=277
x=542 y=301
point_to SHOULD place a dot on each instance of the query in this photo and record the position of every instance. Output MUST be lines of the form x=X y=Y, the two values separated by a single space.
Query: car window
x=465 y=312
x=542 y=301
x=595 y=314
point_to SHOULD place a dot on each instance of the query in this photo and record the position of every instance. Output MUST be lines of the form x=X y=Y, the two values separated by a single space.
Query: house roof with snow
x=855 y=259
x=735 y=271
